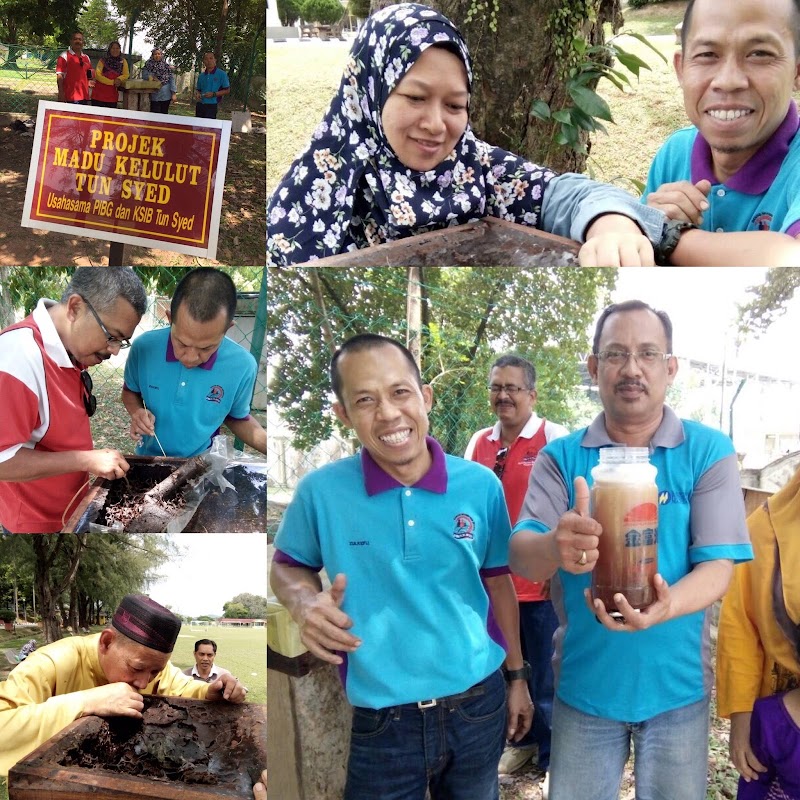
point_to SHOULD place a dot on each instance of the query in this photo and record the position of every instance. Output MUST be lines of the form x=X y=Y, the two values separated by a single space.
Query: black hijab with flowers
x=113 y=63
x=159 y=69
x=348 y=190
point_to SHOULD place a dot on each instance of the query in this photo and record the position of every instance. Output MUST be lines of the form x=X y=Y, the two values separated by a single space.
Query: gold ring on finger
x=582 y=560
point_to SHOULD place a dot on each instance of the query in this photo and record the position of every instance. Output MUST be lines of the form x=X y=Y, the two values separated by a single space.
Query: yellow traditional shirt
x=754 y=657
x=46 y=692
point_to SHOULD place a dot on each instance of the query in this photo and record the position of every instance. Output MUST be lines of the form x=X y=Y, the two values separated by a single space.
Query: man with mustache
x=645 y=679
x=510 y=448
x=46 y=450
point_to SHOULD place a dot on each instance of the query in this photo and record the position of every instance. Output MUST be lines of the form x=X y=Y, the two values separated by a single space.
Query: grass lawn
x=243 y=651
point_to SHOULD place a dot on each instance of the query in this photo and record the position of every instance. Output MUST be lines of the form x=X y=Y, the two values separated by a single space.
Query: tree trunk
x=47 y=549
x=518 y=64
x=222 y=24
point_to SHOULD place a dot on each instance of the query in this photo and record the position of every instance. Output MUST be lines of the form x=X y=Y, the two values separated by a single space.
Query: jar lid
x=624 y=455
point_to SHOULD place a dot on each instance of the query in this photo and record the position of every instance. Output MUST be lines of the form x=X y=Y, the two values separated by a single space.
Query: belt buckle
x=427 y=703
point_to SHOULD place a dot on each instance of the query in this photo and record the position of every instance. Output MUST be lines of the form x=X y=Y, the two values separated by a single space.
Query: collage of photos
x=133 y=546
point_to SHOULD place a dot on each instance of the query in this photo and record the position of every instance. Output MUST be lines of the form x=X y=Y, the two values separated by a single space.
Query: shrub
x=325 y=12
x=7 y=615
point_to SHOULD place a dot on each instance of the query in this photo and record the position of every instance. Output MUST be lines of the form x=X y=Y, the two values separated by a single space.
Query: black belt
x=451 y=701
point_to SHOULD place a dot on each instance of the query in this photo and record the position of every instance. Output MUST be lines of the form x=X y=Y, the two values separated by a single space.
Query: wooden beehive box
x=490 y=242
x=221 y=749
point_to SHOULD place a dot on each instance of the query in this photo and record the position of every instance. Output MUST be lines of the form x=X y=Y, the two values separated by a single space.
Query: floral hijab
x=113 y=63
x=159 y=69
x=348 y=190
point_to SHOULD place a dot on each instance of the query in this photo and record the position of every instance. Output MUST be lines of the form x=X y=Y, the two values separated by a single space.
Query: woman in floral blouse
x=395 y=156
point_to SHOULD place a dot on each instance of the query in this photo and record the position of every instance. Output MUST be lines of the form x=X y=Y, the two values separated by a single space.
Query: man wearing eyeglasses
x=46 y=449
x=189 y=379
x=645 y=679
x=510 y=448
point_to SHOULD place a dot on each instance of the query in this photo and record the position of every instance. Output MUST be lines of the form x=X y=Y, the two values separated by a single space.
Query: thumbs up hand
x=323 y=625
x=577 y=534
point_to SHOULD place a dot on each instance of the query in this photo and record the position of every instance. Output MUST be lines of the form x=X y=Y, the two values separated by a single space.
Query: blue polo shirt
x=764 y=195
x=212 y=82
x=632 y=677
x=189 y=404
x=414 y=558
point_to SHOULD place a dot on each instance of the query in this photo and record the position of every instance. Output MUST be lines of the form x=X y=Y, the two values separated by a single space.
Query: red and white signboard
x=151 y=180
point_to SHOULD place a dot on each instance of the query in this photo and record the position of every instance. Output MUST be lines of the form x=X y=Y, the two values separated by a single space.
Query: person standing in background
x=157 y=67
x=510 y=448
x=111 y=74
x=74 y=73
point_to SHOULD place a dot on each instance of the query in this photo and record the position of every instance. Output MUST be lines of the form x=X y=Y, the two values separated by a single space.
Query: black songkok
x=146 y=622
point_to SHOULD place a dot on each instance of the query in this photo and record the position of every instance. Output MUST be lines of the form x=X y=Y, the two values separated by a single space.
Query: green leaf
x=590 y=102
x=644 y=40
x=638 y=184
x=631 y=62
x=540 y=110
x=563 y=116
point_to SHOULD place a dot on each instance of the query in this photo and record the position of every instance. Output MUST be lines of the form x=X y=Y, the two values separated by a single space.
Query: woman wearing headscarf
x=395 y=156
x=110 y=74
x=158 y=68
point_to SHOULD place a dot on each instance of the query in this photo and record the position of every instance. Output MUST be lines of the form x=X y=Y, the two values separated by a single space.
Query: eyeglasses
x=110 y=340
x=508 y=388
x=647 y=357
x=500 y=462
x=89 y=400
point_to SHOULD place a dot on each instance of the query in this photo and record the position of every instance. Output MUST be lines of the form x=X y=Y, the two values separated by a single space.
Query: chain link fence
x=21 y=288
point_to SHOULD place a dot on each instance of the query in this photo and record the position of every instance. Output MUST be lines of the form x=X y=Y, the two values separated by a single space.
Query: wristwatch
x=523 y=674
x=670 y=236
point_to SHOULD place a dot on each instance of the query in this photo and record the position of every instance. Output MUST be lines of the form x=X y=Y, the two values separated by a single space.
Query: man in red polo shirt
x=46 y=449
x=73 y=69
x=510 y=448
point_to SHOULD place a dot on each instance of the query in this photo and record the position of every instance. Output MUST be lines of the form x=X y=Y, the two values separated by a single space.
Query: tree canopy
x=469 y=317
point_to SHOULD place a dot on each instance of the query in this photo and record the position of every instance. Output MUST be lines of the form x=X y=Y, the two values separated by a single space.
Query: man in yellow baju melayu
x=104 y=674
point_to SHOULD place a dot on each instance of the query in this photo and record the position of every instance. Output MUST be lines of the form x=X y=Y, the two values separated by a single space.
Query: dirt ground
x=242 y=224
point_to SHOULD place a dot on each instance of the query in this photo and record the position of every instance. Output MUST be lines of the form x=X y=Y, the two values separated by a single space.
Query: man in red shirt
x=73 y=71
x=510 y=448
x=46 y=449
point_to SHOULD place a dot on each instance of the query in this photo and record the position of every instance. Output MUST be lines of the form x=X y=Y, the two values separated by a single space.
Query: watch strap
x=670 y=236
x=522 y=674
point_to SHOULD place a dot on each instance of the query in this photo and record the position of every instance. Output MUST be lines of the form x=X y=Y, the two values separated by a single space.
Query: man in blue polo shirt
x=733 y=174
x=212 y=86
x=647 y=678
x=183 y=382
x=422 y=612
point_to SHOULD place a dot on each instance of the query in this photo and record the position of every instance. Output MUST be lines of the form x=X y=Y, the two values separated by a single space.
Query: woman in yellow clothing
x=759 y=624
x=104 y=674
x=111 y=73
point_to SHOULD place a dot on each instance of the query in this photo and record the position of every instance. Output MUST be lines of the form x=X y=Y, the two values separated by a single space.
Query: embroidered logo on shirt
x=216 y=394
x=464 y=527
x=762 y=221
x=529 y=458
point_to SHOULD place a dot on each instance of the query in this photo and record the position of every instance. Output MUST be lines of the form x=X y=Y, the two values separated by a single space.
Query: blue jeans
x=399 y=753
x=670 y=754
x=537 y=624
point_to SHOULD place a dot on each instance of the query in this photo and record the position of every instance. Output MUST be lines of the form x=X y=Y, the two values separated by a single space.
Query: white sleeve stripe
x=21 y=358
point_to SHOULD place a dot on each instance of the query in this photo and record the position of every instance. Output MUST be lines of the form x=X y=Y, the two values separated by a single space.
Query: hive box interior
x=188 y=749
x=240 y=511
